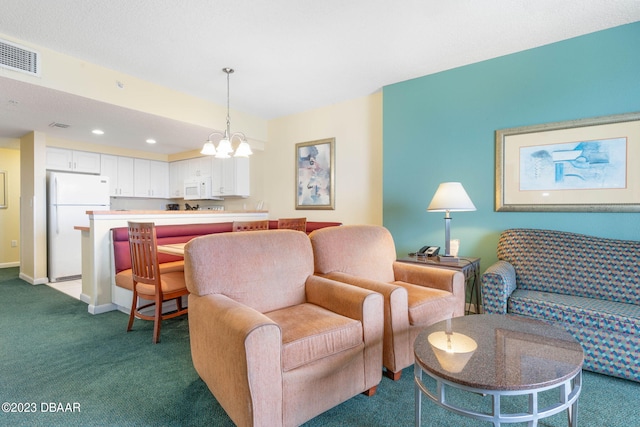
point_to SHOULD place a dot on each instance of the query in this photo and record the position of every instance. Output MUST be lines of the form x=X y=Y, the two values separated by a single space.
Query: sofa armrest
x=498 y=282
x=228 y=340
x=356 y=303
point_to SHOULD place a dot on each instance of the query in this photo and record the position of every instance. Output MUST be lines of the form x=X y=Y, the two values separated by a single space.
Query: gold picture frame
x=586 y=165
x=315 y=174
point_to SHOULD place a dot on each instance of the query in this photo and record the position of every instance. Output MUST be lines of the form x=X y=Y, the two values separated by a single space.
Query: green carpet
x=53 y=352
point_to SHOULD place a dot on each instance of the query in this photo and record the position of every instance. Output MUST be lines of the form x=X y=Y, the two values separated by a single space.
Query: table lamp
x=449 y=197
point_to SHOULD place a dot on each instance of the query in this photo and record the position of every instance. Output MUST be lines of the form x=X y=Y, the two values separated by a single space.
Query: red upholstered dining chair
x=148 y=283
x=299 y=224
x=251 y=225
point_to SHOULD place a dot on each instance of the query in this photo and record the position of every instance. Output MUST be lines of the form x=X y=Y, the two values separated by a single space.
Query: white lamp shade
x=243 y=150
x=451 y=196
x=224 y=146
x=224 y=149
x=208 y=149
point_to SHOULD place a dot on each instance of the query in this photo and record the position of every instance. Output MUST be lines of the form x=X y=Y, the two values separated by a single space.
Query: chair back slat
x=299 y=224
x=251 y=225
x=144 y=256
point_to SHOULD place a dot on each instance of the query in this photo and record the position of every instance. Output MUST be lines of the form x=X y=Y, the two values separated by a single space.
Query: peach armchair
x=415 y=296
x=275 y=344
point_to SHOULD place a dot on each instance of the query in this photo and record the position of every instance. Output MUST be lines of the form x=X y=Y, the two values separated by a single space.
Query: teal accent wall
x=441 y=127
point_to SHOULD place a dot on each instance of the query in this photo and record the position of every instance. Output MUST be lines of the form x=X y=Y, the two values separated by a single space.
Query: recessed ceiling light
x=151 y=141
x=97 y=132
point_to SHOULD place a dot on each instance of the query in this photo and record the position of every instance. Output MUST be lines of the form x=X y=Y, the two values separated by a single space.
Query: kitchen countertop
x=143 y=212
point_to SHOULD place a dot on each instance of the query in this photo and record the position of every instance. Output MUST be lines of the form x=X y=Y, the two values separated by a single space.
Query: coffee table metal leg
x=417 y=372
x=533 y=408
x=572 y=411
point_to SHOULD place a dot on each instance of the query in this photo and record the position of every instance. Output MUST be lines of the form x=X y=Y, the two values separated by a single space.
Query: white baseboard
x=32 y=281
x=99 y=309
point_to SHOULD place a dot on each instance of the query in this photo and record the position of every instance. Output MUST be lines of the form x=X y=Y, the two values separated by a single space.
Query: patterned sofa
x=588 y=285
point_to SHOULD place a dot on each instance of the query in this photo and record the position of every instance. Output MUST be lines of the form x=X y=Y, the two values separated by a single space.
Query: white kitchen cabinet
x=159 y=179
x=150 y=178
x=62 y=159
x=182 y=170
x=231 y=177
x=120 y=172
x=177 y=174
x=141 y=177
x=199 y=166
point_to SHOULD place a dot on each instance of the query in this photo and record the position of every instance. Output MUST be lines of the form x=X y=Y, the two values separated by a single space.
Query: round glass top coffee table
x=498 y=368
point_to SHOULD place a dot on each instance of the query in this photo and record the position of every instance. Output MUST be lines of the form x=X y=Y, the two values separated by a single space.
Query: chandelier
x=225 y=148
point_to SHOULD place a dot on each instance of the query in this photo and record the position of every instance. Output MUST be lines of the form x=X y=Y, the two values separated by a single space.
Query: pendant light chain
x=228 y=71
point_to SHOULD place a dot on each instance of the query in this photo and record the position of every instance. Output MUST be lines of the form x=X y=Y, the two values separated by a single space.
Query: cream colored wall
x=357 y=127
x=71 y=75
x=10 y=217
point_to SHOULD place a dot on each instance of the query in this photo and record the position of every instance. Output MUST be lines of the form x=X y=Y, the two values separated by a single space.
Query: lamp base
x=448 y=258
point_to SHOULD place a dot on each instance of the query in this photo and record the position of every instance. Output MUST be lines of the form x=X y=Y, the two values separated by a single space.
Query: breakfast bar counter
x=98 y=285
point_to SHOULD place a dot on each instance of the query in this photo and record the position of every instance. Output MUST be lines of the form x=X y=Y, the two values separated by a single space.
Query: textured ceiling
x=295 y=55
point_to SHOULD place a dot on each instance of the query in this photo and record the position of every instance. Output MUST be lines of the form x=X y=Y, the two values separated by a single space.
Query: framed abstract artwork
x=587 y=165
x=315 y=174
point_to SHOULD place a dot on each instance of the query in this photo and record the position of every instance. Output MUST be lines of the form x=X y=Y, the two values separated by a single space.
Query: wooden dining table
x=172 y=249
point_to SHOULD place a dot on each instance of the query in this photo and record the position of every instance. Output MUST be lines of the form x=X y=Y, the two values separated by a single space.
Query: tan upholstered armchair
x=415 y=296
x=275 y=344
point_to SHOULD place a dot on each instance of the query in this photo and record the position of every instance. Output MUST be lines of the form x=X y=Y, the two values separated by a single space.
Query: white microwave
x=198 y=188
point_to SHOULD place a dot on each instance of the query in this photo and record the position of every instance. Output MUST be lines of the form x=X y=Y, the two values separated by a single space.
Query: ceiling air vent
x=17 y=58
x=58 y=125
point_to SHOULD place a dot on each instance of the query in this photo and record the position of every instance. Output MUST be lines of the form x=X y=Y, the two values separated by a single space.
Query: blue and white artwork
x=314 y=175
x=599 y=164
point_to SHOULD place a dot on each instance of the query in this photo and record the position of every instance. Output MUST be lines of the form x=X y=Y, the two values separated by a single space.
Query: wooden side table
x=469 y=266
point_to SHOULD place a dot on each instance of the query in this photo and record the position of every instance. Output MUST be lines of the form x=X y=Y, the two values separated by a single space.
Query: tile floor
x=72 y=288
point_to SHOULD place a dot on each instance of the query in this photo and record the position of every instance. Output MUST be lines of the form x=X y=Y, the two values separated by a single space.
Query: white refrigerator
x=69 y=197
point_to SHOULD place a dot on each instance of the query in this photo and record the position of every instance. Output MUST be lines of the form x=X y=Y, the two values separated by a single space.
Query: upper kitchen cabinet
x=189 y=169
x=177 y=174
x=199 y=166
x=231 y=177
x=120 y=172
x=62 y=159
x=151 y=178
x=159 y=175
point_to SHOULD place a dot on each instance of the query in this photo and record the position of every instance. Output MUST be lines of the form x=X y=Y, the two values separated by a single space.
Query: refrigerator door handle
x=57 y=221
x=54 y=200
